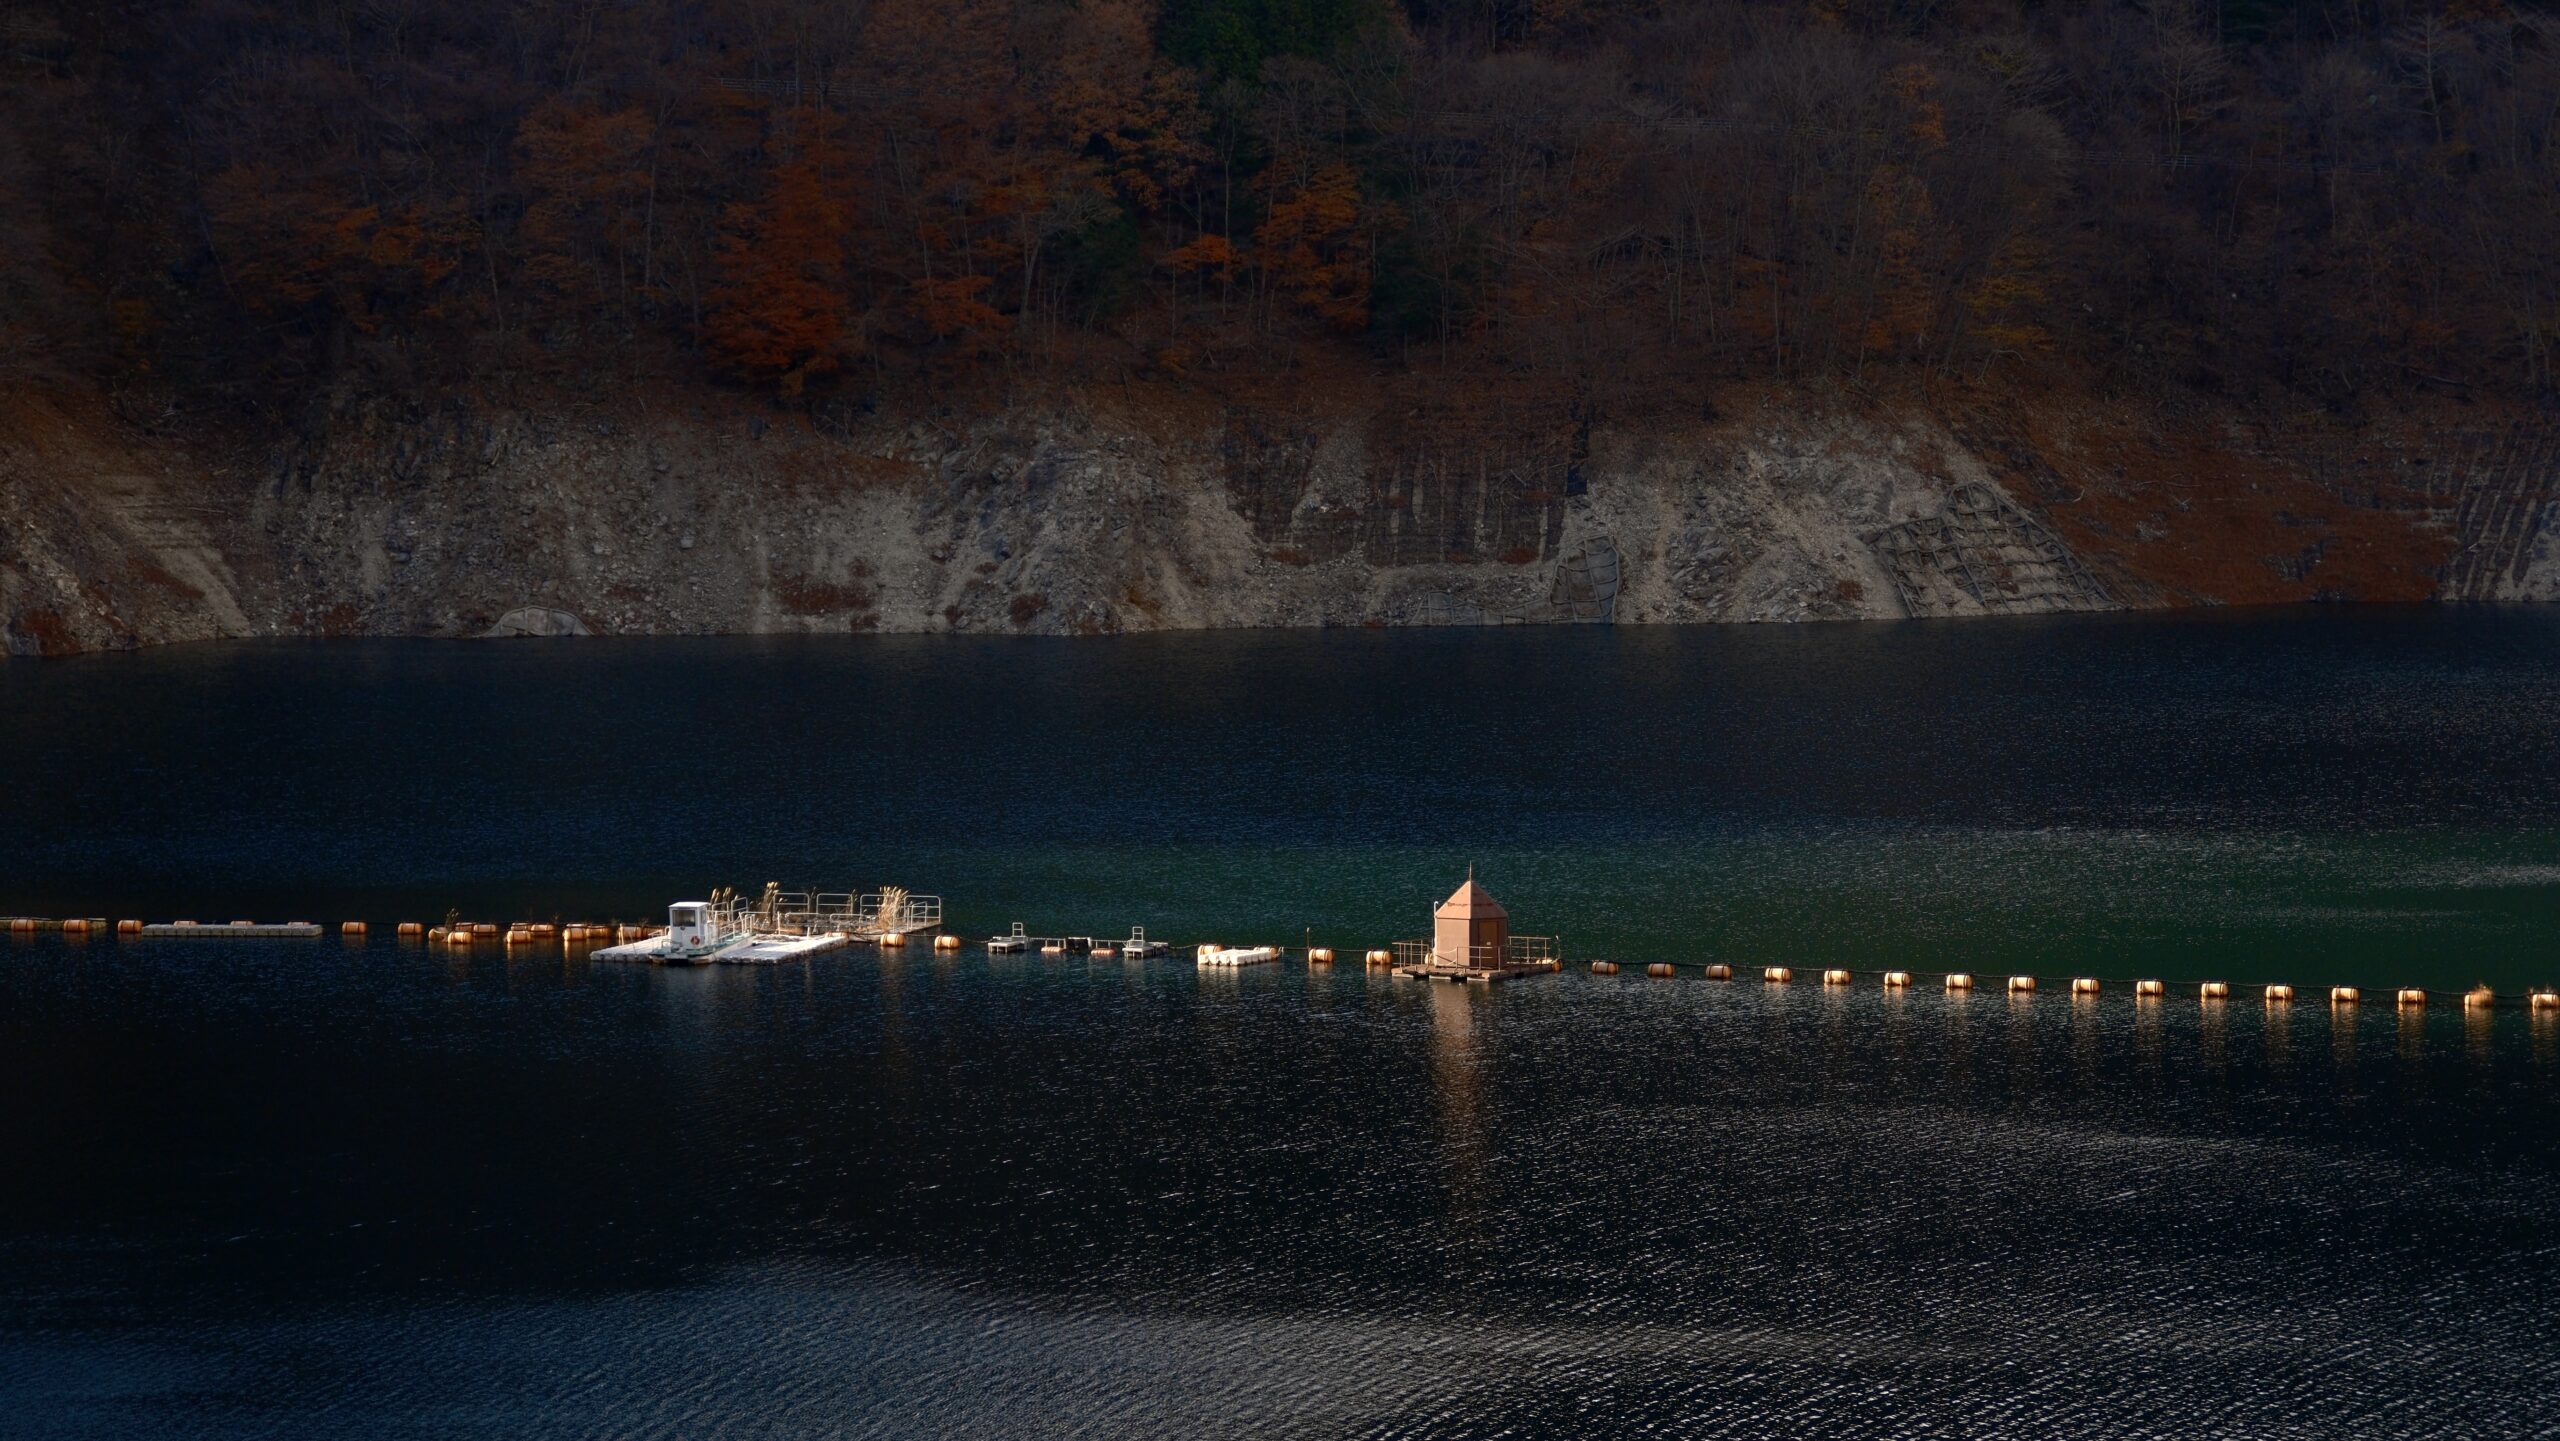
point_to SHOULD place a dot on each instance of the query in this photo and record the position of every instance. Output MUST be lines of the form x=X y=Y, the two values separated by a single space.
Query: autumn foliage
x=2311 y=205
x=779 y=293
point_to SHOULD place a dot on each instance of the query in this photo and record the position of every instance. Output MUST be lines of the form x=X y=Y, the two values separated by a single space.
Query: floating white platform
x=767 y=950
x=745 y=951
x=1229 y=957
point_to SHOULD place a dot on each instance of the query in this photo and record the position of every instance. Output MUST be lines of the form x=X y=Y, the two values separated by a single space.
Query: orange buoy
x=1896 y=980
x=894 y=938
x=2279 y=995
x=484 y=928
x=2344 y=995
x=244 y=923
x=2412 y=996
x=2150 y=988
x=2022 y=983
x=76 y=926
x=2084 y=985
x=1659 y=970
x=1719 y=972
x=1959 y=982
x=2477 y=998
x=128 y=928
x=1835 y=977
x=1320 y=956
x=1776 y=975
x=351 y=928
x=459 y=936
x=2544 y=1000
x=543 y=928
x=1381 y=958
x=1053 y=949
x=1604 y=968
x=2214 y=990
x=412 y=928
x=946 y=942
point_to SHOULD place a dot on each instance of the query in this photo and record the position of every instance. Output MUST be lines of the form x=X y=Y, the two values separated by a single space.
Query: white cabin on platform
x=688 y=925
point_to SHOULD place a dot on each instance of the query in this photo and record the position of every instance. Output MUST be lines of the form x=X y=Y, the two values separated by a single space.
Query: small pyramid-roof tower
x=1471 y=902
x=1470 y=928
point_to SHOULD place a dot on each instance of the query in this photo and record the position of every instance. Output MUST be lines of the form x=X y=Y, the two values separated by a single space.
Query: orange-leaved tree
x=285 y=245
x=779 y=307
x=588 y=181
x=1208 y=256
x=1313 y=250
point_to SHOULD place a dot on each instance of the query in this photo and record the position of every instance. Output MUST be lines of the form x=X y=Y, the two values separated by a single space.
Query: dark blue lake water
x=313 y=1189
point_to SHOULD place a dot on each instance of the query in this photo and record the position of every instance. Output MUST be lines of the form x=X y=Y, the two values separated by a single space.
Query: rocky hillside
x=1130 y=507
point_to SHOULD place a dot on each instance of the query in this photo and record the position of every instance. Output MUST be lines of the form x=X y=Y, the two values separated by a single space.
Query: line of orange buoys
x=2539 y=998
x=520 y=934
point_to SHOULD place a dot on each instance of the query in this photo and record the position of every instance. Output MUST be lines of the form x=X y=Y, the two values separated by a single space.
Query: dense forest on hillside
x=215 y=204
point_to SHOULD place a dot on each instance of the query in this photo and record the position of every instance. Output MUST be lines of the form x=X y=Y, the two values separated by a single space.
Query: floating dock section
x=1228 y=958
x=237 y=930
x=779 y=926
x=748 y=950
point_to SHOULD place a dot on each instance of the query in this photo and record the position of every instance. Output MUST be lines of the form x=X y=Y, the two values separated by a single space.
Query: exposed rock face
x=1107 y=513
x=102 y=543
x=536 y=621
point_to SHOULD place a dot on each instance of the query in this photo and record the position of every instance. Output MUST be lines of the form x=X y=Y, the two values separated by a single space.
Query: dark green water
x=303 y=1189
x=2314 y=797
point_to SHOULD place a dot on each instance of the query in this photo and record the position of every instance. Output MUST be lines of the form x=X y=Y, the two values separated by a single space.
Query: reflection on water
x=296 y=1193
x=2149 y=1034
x=1458 y=1088
x=2085 y=1029
x=2025 y=1068
x=1959 y=1041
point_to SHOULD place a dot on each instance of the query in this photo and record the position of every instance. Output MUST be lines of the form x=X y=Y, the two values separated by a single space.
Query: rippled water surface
x=312 y=1189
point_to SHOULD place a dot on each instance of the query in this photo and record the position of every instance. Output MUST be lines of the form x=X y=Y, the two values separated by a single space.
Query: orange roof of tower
x=1471 y=901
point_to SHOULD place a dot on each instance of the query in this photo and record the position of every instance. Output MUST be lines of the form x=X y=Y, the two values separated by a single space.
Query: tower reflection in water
x=1458 y=1085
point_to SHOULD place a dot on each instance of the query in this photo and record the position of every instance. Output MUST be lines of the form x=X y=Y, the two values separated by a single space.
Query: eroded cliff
x=1132 y=507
